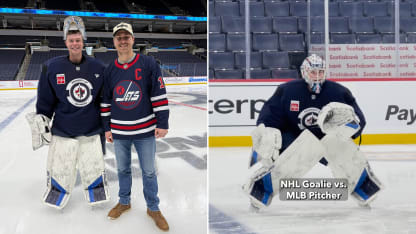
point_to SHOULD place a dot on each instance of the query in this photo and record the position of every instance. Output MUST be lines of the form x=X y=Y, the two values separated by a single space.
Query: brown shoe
x=159 y=219
x=118 y=210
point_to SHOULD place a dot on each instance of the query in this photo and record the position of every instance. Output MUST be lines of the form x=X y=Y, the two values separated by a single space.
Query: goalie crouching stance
x=305 y=122
x=68 y=91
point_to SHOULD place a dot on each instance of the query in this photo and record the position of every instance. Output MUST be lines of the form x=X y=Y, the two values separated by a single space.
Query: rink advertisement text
x=388 y=106
x=313 y=189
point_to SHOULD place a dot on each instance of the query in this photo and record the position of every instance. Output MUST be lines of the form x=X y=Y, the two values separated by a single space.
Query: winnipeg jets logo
x=79 y=92
x=127 y=94
x=308 y=117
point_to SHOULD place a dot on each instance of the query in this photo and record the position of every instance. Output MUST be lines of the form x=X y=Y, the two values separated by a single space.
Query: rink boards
x=386 y=103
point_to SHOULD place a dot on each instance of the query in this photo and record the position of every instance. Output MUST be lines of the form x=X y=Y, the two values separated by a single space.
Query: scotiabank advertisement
x=388 y=105
x=369 y=60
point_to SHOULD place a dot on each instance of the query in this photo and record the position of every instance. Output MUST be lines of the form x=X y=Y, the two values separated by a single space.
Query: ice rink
x=182 y=175
x=392 y=212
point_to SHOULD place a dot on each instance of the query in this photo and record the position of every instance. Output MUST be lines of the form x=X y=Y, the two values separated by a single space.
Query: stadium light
x=99 y=14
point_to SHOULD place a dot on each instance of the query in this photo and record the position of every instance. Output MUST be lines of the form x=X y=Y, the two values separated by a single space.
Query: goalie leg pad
x=346 y=161
x=61 y=171
x=294 y=162
x=92 y=169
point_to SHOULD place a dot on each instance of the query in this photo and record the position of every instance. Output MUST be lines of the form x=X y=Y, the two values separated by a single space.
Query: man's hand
x=159 y=133
x=109 y=136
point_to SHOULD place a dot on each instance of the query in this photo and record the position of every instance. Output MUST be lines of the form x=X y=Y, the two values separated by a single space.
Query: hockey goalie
x=68 y=92
x=305 y=122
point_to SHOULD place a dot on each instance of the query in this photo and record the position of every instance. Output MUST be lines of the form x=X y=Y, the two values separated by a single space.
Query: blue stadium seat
x=338 y=25
x=285 y=24
x=211 y=74
x=411 y=38
x=256 y=9
x=221 y=60
x=211 y=9
x=291 y=42
x=255 y=60
x=317 y=38
x=284 y=74
x=274 y=59
x=229 y=74
x=261 y=24
x=265 y=42
x=405 y=9
x=317 y=24
x=276 y=8
x=408 y=25
x=390 y=38
x=214 y=24
x=298 y=9
x=369 y=38
x=351 y=9
x=232 y=24
x=384 y=24
x=259 y=74
x=317 y=9
x=227 y=9
x=217 y=42
x=303 y=25
x=375 y=9
x=342 y=38
x=362 y=25
x=236 y=42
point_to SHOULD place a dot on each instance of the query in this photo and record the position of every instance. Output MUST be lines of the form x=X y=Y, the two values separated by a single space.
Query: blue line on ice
x=224 y=224
x=11 y=117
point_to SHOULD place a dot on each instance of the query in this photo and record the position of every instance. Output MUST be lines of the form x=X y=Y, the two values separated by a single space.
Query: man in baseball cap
x=122 y=26
x=139 y=75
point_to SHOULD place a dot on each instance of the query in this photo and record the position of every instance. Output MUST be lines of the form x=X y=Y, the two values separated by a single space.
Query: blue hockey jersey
x=134 y=99
x=70 y=93
x=293 y=108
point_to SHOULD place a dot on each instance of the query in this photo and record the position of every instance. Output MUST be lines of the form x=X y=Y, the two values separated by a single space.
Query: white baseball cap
x=123 y=26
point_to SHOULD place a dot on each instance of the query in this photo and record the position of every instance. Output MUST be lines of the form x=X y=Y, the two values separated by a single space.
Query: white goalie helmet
x=314 y=73
x=74 y=23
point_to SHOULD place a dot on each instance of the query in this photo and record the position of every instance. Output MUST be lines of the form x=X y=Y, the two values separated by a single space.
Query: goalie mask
x=313 y=71
x=74 y=23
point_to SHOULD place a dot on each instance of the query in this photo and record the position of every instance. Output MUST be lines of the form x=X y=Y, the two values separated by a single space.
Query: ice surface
x=181 y=165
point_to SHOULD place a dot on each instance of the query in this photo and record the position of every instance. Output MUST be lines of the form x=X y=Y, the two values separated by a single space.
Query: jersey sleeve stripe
x=160 y=103
x=105 y=105
x=161 y=108
x=158 y=97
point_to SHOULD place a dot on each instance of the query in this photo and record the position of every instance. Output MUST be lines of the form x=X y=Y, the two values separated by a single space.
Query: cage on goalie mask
x=74 y=23
x=314 y=73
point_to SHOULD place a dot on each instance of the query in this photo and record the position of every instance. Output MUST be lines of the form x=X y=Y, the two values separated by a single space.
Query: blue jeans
x=146 y=149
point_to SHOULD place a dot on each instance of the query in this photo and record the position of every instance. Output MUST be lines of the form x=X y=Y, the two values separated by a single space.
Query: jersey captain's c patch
x=79 y=92
x=127 y=94
x=294 y=105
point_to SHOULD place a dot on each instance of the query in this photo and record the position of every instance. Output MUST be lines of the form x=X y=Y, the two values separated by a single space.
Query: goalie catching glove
x=267 y=143
x=338 y=119
x=41 y=132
